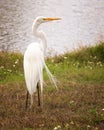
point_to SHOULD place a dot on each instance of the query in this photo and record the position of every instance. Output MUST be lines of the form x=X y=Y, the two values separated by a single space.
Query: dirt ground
x=72 y=107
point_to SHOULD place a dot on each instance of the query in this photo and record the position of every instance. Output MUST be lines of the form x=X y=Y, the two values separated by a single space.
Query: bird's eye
x=44 y=19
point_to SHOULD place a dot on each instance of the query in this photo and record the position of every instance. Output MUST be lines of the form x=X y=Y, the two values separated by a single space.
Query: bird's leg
x=38 y=94
x=27 y=99
x=31 y=101
x=41 y=100
x=41 y=94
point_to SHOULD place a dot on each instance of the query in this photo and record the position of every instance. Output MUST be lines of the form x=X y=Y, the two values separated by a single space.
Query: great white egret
x=34 y=61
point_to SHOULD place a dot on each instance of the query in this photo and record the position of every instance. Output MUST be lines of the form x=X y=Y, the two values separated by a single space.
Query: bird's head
x=42 y=19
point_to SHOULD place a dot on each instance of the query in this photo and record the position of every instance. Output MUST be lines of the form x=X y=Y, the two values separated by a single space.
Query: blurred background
x=82 y=23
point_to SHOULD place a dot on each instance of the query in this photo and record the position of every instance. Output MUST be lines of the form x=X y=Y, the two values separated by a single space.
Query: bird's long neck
x=40 y=35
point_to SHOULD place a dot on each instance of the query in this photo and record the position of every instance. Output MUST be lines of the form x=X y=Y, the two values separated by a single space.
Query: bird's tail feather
x=51 y=77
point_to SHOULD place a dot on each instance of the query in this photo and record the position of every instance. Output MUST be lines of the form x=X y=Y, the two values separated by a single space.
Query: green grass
x=78 y=103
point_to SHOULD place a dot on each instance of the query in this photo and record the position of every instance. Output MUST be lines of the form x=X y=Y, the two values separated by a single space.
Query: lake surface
x=82 y=23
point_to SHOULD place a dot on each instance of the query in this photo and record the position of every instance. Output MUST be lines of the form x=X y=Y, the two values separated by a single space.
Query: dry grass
x=72 y=107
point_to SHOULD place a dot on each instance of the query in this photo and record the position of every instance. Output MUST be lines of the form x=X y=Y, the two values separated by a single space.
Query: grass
x=77 y=105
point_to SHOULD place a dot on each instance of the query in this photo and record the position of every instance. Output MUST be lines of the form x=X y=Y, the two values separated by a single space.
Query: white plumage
x=34 y=61
x=33 y=66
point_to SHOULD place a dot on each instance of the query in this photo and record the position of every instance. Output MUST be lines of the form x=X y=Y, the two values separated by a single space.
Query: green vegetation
x=77 y=105
x=11 y=67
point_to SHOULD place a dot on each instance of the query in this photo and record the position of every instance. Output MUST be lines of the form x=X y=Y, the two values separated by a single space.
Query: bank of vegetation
x=77 y=105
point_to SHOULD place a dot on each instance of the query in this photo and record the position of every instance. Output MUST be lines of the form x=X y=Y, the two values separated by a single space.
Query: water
x=82 y=23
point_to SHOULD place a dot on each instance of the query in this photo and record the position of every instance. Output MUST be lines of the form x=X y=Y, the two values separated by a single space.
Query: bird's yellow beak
x=51 y=19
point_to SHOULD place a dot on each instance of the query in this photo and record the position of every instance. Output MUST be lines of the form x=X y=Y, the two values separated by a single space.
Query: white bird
x=34 y=62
